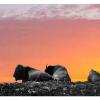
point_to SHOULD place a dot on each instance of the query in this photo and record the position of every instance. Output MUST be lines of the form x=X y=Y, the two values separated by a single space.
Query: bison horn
x=46 y=66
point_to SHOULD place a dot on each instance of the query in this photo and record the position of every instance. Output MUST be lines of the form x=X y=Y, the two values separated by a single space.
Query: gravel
x=50 y=88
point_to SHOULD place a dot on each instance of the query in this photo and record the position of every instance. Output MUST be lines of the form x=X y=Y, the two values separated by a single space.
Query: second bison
x=58 y=72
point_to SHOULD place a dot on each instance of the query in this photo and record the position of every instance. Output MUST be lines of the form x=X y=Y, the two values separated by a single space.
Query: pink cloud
x=79 y=11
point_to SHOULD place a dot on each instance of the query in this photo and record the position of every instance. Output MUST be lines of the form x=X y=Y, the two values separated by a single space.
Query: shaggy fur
x=93 y=76
x=58 y=72
x=30 y=74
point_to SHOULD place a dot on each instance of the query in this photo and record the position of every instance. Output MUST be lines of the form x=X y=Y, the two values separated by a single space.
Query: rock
x=50 y=88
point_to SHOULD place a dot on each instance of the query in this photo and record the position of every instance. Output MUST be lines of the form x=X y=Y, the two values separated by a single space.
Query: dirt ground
x=50 y=88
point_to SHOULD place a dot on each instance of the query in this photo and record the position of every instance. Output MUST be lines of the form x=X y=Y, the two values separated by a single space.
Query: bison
x=30 y=74
x=58 y=72
x=93 y=76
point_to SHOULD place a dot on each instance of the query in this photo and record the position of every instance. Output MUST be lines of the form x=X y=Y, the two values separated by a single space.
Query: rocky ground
x=50 y=88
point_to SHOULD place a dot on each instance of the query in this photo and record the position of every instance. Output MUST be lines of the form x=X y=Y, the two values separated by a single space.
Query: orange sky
x=72 y=43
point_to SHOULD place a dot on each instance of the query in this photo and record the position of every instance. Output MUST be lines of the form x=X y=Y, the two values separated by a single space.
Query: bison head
x=19 y=73
x=49 y=70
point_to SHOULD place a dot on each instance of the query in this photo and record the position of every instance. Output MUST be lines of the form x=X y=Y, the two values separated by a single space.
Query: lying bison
x=30 y=74
x=58 y=72
x=93 y=76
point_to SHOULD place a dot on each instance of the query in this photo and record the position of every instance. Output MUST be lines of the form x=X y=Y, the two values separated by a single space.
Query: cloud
x=62 y=11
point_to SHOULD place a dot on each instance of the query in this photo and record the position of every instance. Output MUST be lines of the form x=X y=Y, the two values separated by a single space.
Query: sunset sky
x=36 y=35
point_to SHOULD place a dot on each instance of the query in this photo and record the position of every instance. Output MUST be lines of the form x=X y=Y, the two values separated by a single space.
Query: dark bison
x=93 y=76
x=30 y=74
x=58 y=72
